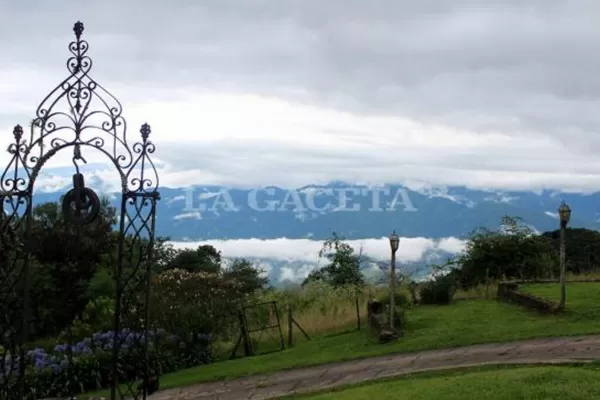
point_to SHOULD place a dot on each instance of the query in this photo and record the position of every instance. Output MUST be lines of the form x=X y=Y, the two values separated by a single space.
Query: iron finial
x=145 y=131
x=78 y=29
x=18 y=132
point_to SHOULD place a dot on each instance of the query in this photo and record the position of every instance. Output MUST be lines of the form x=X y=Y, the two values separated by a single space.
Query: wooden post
x=301 y=330
x=279 y=325
x=357 y=313
x=563 y=295
x=245 y=334
x=290 y=328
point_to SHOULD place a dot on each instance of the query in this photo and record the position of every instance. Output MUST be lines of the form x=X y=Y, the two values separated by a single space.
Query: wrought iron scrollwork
x=80 y=113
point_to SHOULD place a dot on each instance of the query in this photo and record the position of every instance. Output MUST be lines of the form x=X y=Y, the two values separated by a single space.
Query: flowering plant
x=86 y=365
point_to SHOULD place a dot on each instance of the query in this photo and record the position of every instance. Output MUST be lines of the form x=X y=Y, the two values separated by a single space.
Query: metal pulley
x=80 y=205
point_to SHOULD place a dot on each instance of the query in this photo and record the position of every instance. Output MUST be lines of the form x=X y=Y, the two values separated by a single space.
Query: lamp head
x=564 y=212
x=394 y=241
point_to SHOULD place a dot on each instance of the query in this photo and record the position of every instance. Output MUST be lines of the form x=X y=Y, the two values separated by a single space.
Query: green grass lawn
x=531 y=383
x=583 y=298
x=462 y=323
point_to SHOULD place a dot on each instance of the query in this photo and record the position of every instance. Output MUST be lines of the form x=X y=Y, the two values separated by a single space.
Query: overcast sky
x=492 y=94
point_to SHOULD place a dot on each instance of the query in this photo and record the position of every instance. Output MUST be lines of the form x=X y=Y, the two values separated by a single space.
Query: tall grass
x=321 y=309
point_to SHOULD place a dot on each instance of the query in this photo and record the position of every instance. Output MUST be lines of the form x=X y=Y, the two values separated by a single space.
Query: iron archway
x=79 y=114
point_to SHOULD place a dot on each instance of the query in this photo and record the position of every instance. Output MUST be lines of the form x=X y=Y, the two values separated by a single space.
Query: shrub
x=438 y=291
x=400 y=299
x=86 y=365
x=187 y=303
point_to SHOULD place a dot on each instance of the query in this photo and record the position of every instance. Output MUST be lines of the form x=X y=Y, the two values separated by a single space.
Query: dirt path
x=258 y=387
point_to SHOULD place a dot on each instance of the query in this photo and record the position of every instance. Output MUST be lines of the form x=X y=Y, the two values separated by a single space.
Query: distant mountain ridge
x=219 y=213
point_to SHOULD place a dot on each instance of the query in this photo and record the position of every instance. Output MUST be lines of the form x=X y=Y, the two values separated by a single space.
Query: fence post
x=245 y=334
x=290 y=327
x=357 y=313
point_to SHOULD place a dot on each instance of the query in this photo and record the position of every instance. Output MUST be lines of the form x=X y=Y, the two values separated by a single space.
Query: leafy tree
x=247 y=277
x=102 y=284
x=343 y=271
x=164 y=254
x=65 y=259
x=512 y=252
x=200 y=303
x=343 y=268
x=205 y=258
x=582 y=248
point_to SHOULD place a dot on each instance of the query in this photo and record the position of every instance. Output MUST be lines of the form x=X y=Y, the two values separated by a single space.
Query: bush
x=438 y=291
x=400 y=300
x=86 y=365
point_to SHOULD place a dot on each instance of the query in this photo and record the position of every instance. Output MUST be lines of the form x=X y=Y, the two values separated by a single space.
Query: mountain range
x=198 y=213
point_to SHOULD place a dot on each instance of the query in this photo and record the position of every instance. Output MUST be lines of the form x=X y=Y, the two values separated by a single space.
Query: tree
x=513 y=251
x=205 y=258
x=65 y=259
x=344 y=265
x=582 y=248
x=247 y=277
x=343 y=271
x=193 y=304
x=164 y=253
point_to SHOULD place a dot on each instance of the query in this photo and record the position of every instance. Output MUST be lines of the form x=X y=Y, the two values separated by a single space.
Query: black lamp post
x=564 y=212
x=394 y=243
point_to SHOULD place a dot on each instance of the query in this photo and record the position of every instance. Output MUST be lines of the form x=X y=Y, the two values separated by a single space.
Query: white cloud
x=303 y=253
x=189 y=215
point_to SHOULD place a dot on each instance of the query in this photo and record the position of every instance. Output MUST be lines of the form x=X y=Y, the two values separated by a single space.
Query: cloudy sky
x=492 y=94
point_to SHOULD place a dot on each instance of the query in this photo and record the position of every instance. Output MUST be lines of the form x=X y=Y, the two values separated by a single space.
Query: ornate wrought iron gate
x=79 y=114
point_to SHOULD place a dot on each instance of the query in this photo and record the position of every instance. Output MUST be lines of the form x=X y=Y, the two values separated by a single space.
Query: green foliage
x=582 y=248
x=401 y=302
x=439 y=290
x=100 y=313
x=400 y=299
x=164 y=253
x=189 y=304
x=246 y=275
x=343 y=268
x=73 y=289
x=65 y=259
x=400 y=320
x=205 y=258
x=102 y=284
x=76 y=331
x=514 y=252
x=50 y=375
x=314 y=294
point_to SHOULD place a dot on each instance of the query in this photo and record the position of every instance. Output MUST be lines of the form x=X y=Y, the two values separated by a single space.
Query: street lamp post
x=564 y=212
x=394 y=242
